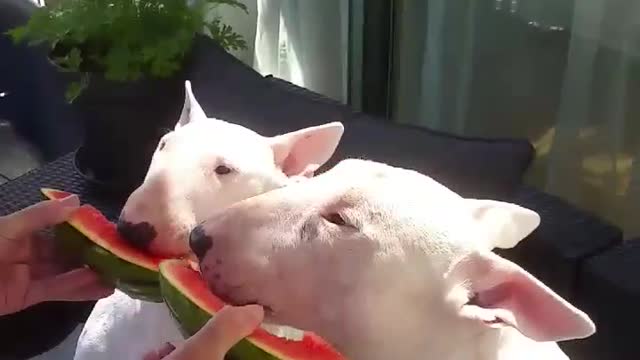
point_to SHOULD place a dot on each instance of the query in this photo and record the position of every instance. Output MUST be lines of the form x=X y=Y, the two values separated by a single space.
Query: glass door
x=564 y=74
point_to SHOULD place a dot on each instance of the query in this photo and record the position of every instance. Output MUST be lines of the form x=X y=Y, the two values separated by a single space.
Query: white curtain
x=304 y=42
x=563 y=73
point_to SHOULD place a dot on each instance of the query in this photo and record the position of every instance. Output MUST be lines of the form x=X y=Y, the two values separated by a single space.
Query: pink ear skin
x=507 y=295
x=302 y=152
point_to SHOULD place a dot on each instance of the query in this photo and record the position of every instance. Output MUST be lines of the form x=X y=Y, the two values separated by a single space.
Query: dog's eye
x=222 y=170
x=335 y=218
x=161 y=144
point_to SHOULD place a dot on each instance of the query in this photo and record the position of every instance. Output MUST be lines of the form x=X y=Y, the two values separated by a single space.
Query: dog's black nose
x=139 y=235
x=199 y=241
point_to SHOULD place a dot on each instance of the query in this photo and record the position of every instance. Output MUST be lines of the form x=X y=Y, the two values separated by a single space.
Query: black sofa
x=574 y=252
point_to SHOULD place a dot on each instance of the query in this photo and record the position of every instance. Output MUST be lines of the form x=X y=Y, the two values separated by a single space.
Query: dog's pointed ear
x=302 y=152
x=504 y=223
x=191 y=110
x=501 y=293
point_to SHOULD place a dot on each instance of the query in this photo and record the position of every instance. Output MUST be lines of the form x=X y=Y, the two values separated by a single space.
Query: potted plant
x=126 y=60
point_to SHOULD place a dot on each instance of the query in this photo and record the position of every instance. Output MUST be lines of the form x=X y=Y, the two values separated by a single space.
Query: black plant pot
x=123 y=122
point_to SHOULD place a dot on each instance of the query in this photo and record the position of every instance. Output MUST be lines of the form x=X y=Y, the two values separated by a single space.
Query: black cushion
x=230 y=90
x=609 y=291
x=555 y=250
x=472 y=167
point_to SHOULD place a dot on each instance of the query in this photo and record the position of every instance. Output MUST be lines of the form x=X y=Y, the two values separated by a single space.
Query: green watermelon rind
x=134 y=280
x=190 y=318
x=192 y=304
x=141 y=291
x=106 y=262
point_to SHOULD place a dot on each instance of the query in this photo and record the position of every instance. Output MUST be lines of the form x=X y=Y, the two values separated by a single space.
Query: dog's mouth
x=193 y=260
x=282 y=331
x=268 y=311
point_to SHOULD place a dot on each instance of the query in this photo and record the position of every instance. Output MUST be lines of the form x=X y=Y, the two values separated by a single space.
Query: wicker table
x=43 y=326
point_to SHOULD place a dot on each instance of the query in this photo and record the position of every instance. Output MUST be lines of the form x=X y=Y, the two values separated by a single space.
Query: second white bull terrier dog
x=386 y=263
x=202 y=166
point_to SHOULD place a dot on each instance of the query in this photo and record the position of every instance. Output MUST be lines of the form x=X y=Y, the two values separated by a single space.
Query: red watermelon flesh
x=96 y=227
x=54 y=194
x=190 y=284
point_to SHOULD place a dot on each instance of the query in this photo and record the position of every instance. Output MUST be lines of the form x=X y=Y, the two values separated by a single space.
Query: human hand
x=30 y=270
x=217 y=337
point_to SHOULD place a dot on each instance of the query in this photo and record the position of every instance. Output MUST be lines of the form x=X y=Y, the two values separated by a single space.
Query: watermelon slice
x=89 y=234
x=192 y=305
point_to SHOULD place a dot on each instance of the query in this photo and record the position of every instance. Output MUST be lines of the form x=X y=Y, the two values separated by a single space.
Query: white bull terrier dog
x=203 y=165
x=386 y=263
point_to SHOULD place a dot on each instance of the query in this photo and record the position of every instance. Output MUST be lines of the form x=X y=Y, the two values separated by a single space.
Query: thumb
x=39 y=216
x=220 y=334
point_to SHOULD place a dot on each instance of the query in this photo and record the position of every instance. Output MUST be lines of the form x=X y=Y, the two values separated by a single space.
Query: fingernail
x=254 y=312
x=70 y=201
x=166 y=349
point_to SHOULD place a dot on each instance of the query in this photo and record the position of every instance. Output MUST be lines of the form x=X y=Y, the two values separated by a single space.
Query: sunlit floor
x=15 y=157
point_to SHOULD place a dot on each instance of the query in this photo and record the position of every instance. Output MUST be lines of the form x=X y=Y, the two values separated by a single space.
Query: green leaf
x=119 y=63
x=124 y=39
x=70 y=62
x=225 y=35
x=17 y=34
x=76 y=88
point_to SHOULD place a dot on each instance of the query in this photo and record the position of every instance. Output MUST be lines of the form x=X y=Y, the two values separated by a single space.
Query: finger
x=45 y=246
x=42 y=269
x=161 y=353
x=48 y=258
x=16 y=285
x=48 y=269
x=151 y=355
x=166 y=350
x=14 y=251
x=220 y=334
x=38 y=216
x=75 y=285
x=87 y=293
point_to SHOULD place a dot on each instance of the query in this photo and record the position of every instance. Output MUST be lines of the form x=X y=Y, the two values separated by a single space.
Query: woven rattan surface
x=61 y=175
x=43 y=326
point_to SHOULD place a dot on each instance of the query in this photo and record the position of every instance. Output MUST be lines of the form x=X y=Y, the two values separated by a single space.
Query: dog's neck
x=490 y=344
x=404 y=331
x=406 y=339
